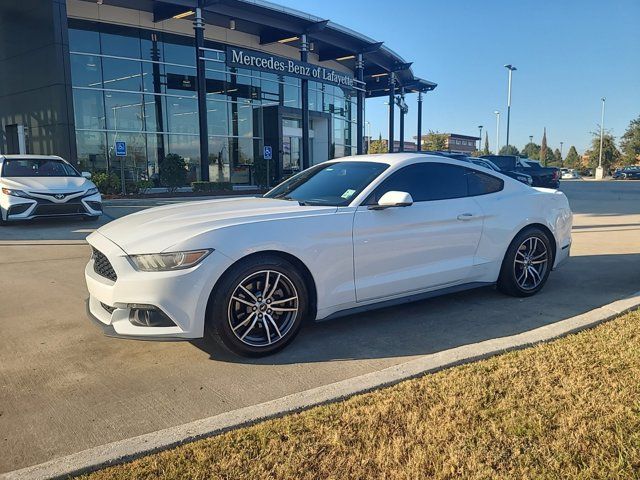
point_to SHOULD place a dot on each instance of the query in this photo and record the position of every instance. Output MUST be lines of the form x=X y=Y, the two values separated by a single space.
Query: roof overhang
x=274 y=23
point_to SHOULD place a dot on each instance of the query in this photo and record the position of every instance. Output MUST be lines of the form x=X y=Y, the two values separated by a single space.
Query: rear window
x=37 y=167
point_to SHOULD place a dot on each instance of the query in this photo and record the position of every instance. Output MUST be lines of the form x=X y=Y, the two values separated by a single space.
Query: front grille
x=102 y=266
x=59 y=208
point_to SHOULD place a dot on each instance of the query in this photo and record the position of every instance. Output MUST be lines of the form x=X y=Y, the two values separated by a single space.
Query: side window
x=481 y=183
x=425 y=182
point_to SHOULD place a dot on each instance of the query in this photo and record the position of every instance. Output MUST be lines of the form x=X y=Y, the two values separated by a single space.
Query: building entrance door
x=291 y=154
x=292 y=145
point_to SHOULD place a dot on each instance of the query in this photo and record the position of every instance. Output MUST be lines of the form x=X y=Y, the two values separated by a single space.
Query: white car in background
x=569 y=174
x=340 y=237
x=36 y=186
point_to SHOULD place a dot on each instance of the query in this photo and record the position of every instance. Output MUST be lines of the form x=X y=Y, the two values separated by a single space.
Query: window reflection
x=149 y=94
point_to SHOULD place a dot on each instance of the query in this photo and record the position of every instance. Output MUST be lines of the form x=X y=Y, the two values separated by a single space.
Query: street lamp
x=480 y=139
x=511 y=69
x=368 y=134
x=599 y=171
x=497 y=114
x=561 y=161
x=530 y=138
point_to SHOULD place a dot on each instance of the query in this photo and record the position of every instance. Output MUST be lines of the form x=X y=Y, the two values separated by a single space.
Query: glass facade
x=139 y=86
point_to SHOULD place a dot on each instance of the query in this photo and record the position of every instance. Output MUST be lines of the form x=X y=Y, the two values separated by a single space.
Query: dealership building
x=246 y=91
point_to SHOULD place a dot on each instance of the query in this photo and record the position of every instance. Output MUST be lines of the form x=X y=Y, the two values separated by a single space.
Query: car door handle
x=465 y=216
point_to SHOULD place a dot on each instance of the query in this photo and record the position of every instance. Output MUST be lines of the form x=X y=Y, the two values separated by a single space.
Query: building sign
x=243 y=58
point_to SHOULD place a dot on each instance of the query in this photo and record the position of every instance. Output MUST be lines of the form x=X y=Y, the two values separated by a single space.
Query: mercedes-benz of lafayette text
x=340 y=237
x=33 y=186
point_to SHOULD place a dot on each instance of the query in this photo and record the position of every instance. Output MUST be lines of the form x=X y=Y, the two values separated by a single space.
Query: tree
x=556 y=161
x=378 y=146
x=630 y=143
x=435 y=141
x=509 y=150
x=573 y=159
x=531 y=150
x=173 y=171
x=610 y=154
x=543 y=148
x=486 y=144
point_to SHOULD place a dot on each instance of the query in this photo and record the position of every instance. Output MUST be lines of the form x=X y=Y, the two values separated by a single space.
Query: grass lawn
x=566 y=409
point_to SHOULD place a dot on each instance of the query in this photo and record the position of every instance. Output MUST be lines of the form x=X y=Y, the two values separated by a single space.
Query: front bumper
x=19 y=208
x=182 y=295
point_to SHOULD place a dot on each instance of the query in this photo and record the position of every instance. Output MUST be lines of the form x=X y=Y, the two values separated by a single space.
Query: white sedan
x=340 y=237
x=35 y=186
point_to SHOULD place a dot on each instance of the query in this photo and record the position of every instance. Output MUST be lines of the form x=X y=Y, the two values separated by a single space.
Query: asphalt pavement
x=64 y=387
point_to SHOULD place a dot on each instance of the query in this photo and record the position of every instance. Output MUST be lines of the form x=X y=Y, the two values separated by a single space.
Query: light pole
x=480 y=139
x=368 y=134
x=530 y=138
x=599 y=171
x=497 y=114
x=511 y=69
x=561 y=161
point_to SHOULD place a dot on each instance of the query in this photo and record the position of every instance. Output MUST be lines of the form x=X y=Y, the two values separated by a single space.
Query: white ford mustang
x=341 y=237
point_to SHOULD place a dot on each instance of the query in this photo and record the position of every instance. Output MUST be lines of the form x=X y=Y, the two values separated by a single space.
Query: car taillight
x=556 y=174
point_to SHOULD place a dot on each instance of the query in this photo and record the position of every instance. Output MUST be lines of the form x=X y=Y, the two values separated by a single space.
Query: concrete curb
x=132 y=448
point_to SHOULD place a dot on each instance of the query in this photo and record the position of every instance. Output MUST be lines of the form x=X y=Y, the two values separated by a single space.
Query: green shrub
x=211 y=186
x=107 y=183
x=144 y=185
x=173 y=172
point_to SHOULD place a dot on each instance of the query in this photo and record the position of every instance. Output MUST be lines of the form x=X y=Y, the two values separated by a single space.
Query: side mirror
x=86 y=175
x=393 y=199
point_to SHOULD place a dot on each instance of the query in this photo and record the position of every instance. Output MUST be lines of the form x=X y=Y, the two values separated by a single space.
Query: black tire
x=223 y=310
x=510 y=281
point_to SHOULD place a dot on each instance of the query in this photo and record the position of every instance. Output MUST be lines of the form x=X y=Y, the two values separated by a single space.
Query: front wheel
x=527 y=264
x=258 y=307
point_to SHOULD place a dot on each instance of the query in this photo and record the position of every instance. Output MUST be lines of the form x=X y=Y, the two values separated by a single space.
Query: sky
x=568 y=54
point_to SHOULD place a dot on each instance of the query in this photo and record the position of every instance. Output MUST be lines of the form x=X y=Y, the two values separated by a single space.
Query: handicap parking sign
x=121 y=149
x=268 y=153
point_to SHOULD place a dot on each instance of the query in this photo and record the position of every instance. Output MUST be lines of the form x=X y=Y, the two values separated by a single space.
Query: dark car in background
x=627 y=173
x=521 y=177
x=548 y=177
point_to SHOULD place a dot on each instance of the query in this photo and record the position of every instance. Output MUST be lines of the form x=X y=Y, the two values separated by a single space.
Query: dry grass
x=567 y=409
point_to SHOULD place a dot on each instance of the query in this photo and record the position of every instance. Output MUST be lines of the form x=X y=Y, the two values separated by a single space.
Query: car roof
x=16 y=156
x=394 y=159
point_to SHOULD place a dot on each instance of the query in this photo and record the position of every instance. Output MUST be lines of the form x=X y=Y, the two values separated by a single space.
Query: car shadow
x=441 y=323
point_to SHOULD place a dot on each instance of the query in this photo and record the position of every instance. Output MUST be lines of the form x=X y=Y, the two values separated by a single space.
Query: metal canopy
x=273 y=23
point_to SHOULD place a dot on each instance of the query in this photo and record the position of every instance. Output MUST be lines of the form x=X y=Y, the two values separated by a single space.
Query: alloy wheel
x=263 y=308
x=531 y=263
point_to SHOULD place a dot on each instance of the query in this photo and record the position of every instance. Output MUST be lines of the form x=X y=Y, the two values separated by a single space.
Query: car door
x=429 y=244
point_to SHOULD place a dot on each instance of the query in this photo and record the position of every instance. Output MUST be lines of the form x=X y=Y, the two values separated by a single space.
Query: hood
x=158 y=229
x=46 y=184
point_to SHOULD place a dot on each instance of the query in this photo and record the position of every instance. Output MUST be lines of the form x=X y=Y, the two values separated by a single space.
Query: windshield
x=37 y=167
x=332 y=184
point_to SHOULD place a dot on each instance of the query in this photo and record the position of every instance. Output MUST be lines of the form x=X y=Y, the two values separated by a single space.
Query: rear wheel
x=258 y=306
x=527 y=263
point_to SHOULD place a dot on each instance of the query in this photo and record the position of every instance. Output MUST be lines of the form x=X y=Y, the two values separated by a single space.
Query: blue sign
x=268 y=153
x=121 y=149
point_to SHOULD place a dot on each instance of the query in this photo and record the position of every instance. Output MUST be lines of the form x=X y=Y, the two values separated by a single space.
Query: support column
x=304 y=57
x=392 y=95
x=360 y=105
x=402 y=114
x=419 y=121
x=201 y=85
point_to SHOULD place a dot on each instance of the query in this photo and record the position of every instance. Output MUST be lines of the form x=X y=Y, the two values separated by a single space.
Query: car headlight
x=161 y=262
x=14 y=193
x=91 y=191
